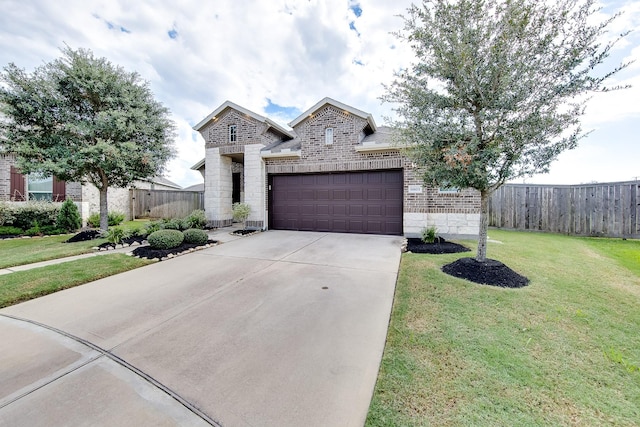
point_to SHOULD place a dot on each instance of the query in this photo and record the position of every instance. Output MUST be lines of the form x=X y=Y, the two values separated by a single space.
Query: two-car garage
x=346 y=202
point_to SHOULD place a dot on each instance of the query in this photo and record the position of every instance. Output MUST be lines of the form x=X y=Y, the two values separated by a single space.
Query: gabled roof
x=340 y=106
x=228 y=104
x=199 y=164
x=163 y=181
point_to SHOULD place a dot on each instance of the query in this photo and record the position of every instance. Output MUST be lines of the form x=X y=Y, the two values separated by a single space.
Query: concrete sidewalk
x=276 y=329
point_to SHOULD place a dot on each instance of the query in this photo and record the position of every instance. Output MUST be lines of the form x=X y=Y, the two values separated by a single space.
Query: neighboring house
x=335 y=170
x=16 y=187
x=195 y=187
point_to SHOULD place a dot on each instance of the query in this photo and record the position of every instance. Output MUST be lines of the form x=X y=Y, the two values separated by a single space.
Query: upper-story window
x=233 y=134
x=328 y=136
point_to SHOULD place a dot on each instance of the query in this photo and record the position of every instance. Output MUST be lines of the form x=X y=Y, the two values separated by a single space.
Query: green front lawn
x=25 y=285
x=26 y=251
x=563 y=351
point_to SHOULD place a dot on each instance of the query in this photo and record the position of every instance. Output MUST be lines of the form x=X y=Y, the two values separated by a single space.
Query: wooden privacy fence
x=611 y=209
x=164 y=203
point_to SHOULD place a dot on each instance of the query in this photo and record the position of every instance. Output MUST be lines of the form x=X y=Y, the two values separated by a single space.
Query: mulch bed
x=150 y=253
x=440 y=246
x=489 y=272
x=83 y=236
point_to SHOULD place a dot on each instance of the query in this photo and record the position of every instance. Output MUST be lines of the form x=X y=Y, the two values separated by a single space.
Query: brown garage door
x=352 y=202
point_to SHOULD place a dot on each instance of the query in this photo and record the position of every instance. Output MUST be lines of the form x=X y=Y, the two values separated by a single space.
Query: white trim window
x=40 y=187
x=233 y=133
x=328 y=136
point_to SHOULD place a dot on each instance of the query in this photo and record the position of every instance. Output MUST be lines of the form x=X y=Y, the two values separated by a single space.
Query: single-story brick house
x=17 y=187
x=334 y=170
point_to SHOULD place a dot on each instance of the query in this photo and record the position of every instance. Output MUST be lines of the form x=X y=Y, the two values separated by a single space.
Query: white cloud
x=292 y=52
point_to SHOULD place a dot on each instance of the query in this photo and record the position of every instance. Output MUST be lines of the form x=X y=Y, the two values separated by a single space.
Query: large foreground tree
x=498 y=88
x=84 y=119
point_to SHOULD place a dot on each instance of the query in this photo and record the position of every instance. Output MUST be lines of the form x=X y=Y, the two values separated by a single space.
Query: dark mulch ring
x=83 y=236
x=244 y=232
x=489 y=272
x=150 y=253
x=134 y=239
x=440 y=246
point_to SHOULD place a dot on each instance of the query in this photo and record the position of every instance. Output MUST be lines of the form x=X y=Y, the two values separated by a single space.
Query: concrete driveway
x=276 y=329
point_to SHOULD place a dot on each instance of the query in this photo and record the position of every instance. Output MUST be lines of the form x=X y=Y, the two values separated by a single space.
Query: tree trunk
x=481 y=256
x=104 y=215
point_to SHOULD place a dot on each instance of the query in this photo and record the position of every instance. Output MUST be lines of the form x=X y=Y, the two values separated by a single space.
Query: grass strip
x=27 y=251
x=563 y=351
x=25 y=285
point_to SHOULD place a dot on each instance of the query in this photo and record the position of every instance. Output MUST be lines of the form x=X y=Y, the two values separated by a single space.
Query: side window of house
x=233 y=135
x=328 y=136
x=40 y=187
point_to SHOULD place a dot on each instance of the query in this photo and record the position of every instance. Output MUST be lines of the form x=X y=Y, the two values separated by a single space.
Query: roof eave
x=224 y=106
x=344 y=107
x=198 y=165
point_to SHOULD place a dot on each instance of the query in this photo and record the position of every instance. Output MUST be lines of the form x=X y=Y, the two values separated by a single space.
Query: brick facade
x=6 y=161
x=308 y=152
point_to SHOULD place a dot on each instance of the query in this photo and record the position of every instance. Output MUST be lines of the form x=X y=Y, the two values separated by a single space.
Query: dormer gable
x=232 y=124
x=345 y=109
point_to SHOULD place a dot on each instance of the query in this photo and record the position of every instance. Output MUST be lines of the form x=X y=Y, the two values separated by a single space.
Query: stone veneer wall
x=219 y=185
x=255 y=194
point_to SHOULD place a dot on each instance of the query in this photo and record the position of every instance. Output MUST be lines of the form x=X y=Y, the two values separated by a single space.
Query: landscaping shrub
x=152 y=227
x=115 y=235
x=6 y=214
x=195 y=219
x=241 y=212
x=7 y=230
x=69 y=217
x=165 y=239
x=171 y=224
x=114 y=218
x=196 y=236
x=28 y=214
x=429 y=234
x=138 y=232
x=52 y=230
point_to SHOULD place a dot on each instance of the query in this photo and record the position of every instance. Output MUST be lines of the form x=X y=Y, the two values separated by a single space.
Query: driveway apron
x=276 y=329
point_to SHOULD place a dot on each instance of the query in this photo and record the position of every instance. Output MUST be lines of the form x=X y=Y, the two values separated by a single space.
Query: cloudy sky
x=279 y=57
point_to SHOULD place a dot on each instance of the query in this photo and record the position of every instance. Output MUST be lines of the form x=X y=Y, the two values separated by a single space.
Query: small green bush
x=6 y=214
x=137 y=232
x=7 y=230
x=171 y=224
x=114 y=218
x=34 y=231
x=68 y=217
x=196 y=236
x=115 y=235
x=152 y=227
x=241 y=212
x=52 y=230
x=430 y=234
x=195 y=219
x=165 y=239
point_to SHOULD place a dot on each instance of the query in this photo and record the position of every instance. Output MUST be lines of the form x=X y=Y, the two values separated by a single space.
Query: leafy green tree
x=84 y=119
x=498 y=88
